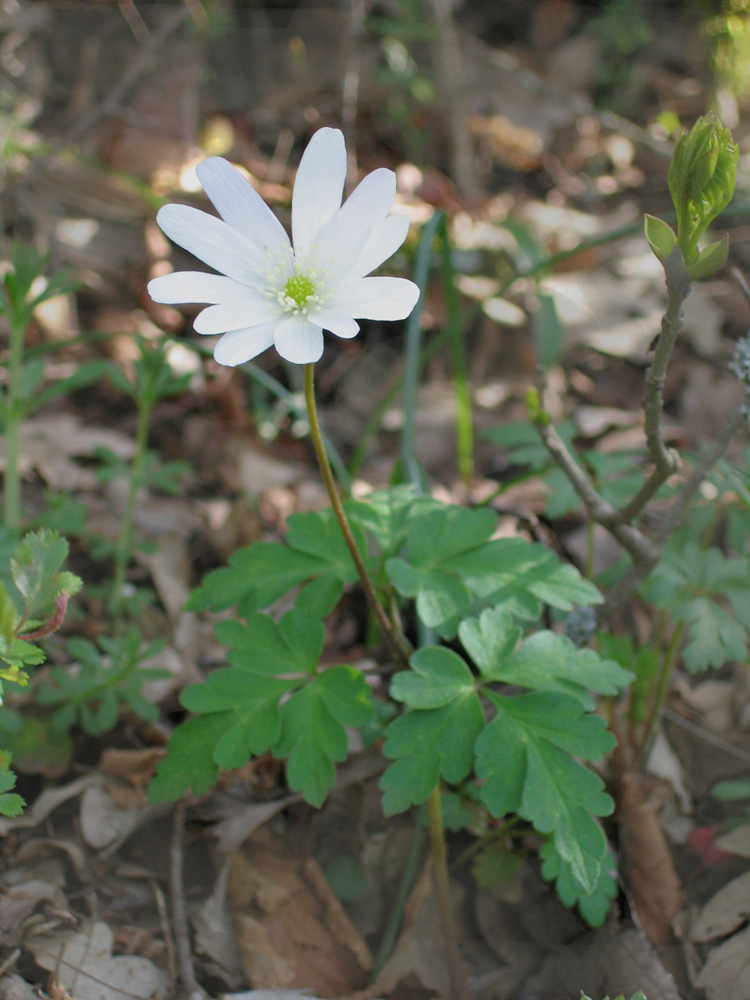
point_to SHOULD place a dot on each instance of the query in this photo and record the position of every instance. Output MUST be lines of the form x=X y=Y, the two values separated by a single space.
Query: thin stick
x=663 y=684
x=666 y=460
x=631 y=581
x=180 y=923
x=451 y=78
x=161 y=906
x=397 y=643
x=350 y=89
x=443 y=894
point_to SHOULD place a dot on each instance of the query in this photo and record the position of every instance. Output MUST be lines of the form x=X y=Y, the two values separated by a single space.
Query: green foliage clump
x=512 y=718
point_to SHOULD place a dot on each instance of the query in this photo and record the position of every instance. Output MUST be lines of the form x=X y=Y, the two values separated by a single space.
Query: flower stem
x=662 y=686
x=12 y=485
x=397 y=643
x=443 y=894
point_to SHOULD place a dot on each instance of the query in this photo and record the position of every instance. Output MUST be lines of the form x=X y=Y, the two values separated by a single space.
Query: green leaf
x=495 y=865
x=523 y=575
x=8 y=616
x=543 y=662
x=11 y=804
x=313 y=736
x=387 y=514
x=524 y=758
x=290 y=646
x=35 y=568
x=259 y=575
x=693 y=584
x=490 y=639
x=548 y=331
x=189 y=762
x=661 y=237
x=429 y=742
x=733 y=790
x=523 y=444
x=594 y=905
x=273 y=699
x=710 y=259
x=437 y=677
x=249 y=705
x=450 y=563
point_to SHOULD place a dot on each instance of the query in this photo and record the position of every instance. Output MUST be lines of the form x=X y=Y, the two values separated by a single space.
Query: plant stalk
x=397 y=643
x=443 y=894
x=662 y=686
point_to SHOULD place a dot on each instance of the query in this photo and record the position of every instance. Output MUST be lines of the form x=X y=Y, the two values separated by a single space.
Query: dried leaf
x=726 y=974
x=83 y=963
x=724 y=912
x=649 y=869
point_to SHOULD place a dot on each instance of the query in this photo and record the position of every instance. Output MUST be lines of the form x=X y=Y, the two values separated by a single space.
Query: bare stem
x=631 y=581
x=666 y=460
x=397 y=642
x=443 y=894
x=662 y=686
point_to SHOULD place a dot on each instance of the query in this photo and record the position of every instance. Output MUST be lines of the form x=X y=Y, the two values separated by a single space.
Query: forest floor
x=495 y=118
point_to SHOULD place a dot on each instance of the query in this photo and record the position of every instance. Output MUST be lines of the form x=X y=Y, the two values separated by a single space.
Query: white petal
x=368 y=205
x=234 y=315
x=383 y=241
x=375 y=298
x=239 y=346
x=240 y=205
x=342 y=326
x=213 y=242
x=318 y=186
x=196 y=286
x=298 y=340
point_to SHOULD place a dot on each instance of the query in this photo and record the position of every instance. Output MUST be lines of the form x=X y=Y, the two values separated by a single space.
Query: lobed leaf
x=431 y=742
x=259 y=575
x=524 y=758
x=543 y=662
x=313 y=736
x=594 y=905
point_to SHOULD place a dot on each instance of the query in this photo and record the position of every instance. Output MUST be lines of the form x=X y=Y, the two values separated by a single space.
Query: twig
x=193 y=989
x=631 y=538
x=147 y=54
x=350 y=88
x=708 y=737
x=631 y=581
x=666 y=460
x=134 y=21
x=161 y=906
x=456 y=973
x=452 y=81
x=741 y=282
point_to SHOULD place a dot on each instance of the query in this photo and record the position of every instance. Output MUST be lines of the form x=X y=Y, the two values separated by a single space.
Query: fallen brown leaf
x=648 y=867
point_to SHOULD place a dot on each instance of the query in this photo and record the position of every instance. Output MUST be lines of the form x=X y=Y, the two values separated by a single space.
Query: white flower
x=270 y=293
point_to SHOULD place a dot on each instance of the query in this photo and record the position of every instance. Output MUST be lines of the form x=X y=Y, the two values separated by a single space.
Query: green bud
x=660 y=236
x=709 y=259
x=701 y=180
x=538 y=416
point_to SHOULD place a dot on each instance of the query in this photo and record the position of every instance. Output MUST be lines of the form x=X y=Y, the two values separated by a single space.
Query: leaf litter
x=278 y=895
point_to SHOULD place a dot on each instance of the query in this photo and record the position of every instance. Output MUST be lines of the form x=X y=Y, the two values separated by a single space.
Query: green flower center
x=299 y=288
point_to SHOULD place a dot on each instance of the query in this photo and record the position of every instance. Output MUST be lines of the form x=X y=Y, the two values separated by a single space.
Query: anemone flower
x=272 y=292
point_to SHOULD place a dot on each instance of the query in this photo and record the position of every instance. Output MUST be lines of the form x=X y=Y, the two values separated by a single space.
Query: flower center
x=299 y=288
